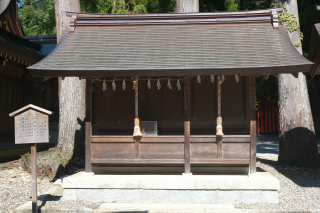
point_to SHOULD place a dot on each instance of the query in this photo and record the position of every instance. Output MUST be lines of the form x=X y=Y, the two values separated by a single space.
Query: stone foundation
x=195 y=189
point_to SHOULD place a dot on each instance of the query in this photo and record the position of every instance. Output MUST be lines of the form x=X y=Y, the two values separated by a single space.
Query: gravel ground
x=299 y=187
x=55 y=201
x=15 y=190
x=15 y=186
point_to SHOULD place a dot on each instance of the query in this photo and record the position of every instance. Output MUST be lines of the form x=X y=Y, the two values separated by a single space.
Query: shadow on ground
x=304 y=177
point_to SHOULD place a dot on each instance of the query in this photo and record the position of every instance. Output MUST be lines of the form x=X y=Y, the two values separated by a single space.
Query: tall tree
x=187 y=6
x=37 y=17
x=71 y=93
x=297 y=139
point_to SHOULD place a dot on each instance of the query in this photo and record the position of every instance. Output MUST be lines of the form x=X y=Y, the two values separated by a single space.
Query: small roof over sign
x=30 y=106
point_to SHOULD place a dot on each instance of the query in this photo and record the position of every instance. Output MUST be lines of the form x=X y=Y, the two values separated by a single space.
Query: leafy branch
x=289 y=19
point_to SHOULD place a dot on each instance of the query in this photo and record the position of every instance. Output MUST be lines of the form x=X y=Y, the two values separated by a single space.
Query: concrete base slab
x=195 y=189
x=260 y=181
x=27 y=208
x=165 y=206
x=171 y=196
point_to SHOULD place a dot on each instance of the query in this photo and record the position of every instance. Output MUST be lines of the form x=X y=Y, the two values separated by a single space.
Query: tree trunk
x=62 y=21
x=71 y=111
x=113 y=6
x=71 y=93
x=297 y=139
x=187 y=6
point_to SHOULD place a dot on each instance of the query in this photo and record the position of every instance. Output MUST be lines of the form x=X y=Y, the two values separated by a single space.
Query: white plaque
x=31 y=127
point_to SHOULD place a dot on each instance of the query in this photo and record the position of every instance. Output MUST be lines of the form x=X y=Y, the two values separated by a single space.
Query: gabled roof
x=18 y=47
x=9 y=9
x=48 y=43
x=30 y=106
x=4 y=6
x=173 y=44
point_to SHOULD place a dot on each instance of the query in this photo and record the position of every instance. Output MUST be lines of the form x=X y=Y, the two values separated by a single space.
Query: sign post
x=31 y=124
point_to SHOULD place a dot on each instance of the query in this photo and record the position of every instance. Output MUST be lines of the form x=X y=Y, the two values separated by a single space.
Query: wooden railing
x=169 y=150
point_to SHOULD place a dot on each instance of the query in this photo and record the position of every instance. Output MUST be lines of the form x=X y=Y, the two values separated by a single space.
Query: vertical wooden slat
x=88 y=167
x=136 y=147
x=253 y=140
x=119 y=101
x=34 y=177
x=219 y=139
x=187 y=125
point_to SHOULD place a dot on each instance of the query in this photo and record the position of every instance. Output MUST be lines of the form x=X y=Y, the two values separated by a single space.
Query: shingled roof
x=173 y=44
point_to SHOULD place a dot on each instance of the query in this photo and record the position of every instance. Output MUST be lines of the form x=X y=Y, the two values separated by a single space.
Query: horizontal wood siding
x=204 y=151
x=235 y=150
x=161 y=151
x=169 y=150
x=112 y=150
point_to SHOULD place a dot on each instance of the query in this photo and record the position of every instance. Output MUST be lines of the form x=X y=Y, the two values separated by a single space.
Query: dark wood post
x=187 y=125
x=34 y=178
x=88 y=167
x=253 y=136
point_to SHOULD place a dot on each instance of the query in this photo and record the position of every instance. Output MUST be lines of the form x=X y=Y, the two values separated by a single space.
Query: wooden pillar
x=253 y=136
x=88 y=167
x=187 y=125
x=219 y=132
x=34 y=178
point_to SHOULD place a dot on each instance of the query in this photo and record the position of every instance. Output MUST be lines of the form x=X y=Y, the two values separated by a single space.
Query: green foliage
x=211 y=6
x=310 y=83
x=122 y=6
x=37 y=17
x=130 y=6
x=297 y=44
x=267 y=89
x=89 y=6
x=231 y=5
x=276 y=3
x=288 y=19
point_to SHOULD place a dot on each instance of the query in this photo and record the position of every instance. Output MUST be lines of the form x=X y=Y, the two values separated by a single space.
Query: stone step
x=164 y=206
x=194 y=189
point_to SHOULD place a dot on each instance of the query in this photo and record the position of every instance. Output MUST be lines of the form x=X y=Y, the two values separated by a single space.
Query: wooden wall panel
x=203 y=151
x=173 y=103
x=98 y=102
x=127 y=102
x=13 y=96
x=232 y=100
x=143 y=101
x=156 y=102
x=204 y=100
x=235 y=150
x=161 y=150
x=116 y=108
x=110 y=104
x=113 y=150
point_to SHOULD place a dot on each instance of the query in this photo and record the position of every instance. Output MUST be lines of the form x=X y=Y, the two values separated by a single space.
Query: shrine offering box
x=150 y=127
x=31 y=124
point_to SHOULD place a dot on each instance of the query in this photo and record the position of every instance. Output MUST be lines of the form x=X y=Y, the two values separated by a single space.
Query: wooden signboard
x=32 y=126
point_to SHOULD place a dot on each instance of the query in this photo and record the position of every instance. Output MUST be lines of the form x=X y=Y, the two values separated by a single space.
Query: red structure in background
x=267 y=117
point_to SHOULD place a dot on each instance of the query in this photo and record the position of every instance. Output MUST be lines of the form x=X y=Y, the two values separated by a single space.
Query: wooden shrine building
x=17 y=87
x=194 y=74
